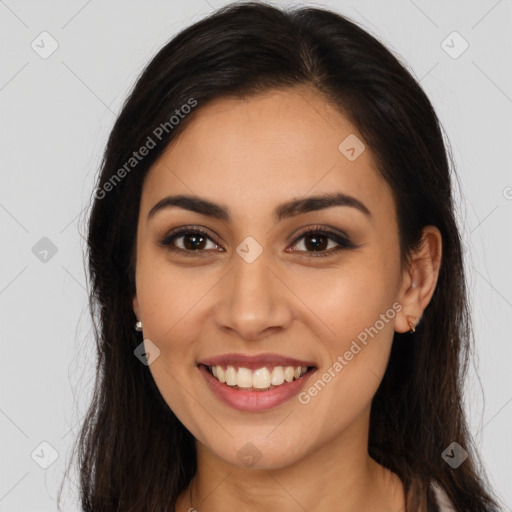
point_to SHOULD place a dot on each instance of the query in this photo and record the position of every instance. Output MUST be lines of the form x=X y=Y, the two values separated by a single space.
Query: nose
x=255 y=301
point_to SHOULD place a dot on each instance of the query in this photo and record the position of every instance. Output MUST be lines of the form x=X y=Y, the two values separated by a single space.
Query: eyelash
x=342 y=241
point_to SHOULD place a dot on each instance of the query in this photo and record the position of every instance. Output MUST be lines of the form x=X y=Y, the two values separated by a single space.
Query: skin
x=252 y=155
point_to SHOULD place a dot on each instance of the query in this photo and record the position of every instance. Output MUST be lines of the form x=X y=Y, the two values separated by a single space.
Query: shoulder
x=444 y=502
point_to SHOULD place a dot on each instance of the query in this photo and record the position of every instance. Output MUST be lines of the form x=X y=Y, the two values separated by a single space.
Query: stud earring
x=412 y=325
x=138 y=326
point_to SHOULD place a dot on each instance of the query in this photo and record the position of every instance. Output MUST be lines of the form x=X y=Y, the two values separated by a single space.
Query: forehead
x=256 y=152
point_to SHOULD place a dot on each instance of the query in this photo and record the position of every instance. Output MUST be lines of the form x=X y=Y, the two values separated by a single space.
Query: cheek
x=167 y=294
x=355 y=305
x=168 y=303
x=348 y=298
x=167 y=300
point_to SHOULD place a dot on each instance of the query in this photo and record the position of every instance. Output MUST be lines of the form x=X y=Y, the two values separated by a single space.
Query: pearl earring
x=138 y=326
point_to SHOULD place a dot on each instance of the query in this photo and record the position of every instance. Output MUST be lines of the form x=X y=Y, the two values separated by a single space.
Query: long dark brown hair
x=133 y=452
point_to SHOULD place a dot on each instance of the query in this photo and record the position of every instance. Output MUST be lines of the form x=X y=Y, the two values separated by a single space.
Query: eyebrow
x=284 y=211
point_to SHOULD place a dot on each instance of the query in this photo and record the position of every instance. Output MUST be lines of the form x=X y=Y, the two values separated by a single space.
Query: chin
x=259 y=453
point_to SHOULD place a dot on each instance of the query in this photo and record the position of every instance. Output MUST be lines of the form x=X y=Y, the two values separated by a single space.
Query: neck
x=339 y=475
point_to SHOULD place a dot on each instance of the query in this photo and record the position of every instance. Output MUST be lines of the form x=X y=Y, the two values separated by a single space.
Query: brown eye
x=317 y=241
x=193 y=240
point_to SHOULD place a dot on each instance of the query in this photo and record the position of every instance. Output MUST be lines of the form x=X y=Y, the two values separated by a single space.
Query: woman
x=277 y=275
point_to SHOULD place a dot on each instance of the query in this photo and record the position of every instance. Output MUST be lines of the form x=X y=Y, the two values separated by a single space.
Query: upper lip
x=253 y=362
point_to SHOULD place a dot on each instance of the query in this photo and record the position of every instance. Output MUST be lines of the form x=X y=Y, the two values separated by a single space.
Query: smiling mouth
x=262 y=379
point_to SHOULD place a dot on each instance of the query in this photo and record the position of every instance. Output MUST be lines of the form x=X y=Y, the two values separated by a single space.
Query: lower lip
x=254 y=400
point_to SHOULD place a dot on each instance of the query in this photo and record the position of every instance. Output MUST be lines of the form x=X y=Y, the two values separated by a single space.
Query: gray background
x=56 y=113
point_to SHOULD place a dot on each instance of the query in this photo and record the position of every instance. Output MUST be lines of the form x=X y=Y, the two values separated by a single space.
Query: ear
x=136 y=308
x=420 y=279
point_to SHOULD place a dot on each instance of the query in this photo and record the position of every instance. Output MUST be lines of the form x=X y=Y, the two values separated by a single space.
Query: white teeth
x=230 y=376
x=277 y=376
x=289 y=373
x=262 y=378
x=244 y=378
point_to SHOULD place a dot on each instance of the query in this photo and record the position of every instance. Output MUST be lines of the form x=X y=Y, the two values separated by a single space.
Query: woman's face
x=258 y=283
